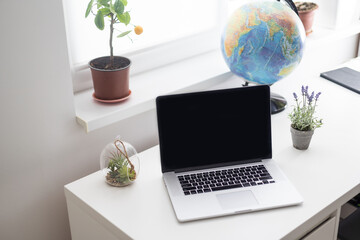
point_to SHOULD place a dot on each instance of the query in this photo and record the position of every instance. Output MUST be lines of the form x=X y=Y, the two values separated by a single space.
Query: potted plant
x=303 y=121
x=110 y=74
x=306 y=12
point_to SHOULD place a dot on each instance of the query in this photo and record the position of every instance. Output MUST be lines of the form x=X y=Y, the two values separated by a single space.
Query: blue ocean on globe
x=263 y=42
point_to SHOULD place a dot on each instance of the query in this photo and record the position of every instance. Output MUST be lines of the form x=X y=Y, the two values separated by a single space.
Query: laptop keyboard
x=224 y=179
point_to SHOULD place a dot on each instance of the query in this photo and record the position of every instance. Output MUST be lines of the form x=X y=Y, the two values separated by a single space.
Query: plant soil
x=305 y=6
x=113 y=182
x=105 y=64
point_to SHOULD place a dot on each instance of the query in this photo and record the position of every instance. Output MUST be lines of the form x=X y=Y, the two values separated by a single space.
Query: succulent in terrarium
x=121 y=170
x=120 y=163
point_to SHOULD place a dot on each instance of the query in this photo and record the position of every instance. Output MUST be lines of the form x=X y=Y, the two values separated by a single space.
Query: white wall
x=41 y=146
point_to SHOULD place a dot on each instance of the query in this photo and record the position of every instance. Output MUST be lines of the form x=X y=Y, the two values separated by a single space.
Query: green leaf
x=124 y=18
x=105 y=11
x=112 y=8
x=99 y=20
x=124 y=2
x=124 y=33
x=104 y=3
x=119 y=7
x=88 y=9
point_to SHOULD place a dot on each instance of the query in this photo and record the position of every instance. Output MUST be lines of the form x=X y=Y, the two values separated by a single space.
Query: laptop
x=216 y=153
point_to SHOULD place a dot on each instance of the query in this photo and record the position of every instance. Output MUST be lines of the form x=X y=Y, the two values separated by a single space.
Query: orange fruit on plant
x=138 y=30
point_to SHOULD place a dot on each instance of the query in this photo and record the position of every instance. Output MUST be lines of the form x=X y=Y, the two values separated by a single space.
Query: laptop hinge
x=217 y=165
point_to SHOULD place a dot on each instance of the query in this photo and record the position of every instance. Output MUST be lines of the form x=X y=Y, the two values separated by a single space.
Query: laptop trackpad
x=241 y=199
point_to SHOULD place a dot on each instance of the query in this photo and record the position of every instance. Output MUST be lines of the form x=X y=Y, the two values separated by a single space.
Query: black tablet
x=346 y=77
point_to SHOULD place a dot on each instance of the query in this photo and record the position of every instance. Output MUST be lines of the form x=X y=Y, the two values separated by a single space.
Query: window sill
x=201 y=72
x=206 y=71
x=322 y=34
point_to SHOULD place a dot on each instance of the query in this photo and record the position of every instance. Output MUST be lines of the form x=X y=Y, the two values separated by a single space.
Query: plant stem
x=111 y=39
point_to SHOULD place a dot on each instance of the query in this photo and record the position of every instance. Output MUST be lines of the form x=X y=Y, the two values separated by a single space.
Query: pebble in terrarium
x=119 y=162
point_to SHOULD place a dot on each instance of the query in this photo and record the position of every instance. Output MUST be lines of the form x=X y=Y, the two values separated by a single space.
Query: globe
x=263 y=42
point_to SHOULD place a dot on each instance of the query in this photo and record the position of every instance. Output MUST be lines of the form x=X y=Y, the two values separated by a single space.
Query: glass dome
x=120 y=163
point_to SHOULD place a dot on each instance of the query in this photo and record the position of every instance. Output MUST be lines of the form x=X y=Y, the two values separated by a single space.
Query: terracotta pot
x=301 y=139
x=307 y=17
x=110 y=84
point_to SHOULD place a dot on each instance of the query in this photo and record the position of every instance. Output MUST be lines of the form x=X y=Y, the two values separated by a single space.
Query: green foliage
x=124 y=33
x=302 y=117
x=99 y=20
x=114 y=11
x=119 y=169
x=88 y=9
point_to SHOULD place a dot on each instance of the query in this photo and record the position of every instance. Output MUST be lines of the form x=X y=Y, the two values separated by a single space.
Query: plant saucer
x=112 y=100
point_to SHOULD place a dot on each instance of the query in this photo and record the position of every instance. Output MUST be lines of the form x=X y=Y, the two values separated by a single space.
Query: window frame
x=164 y=53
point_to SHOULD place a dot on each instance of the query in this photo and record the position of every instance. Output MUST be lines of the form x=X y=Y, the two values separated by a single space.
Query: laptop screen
x=214 y=128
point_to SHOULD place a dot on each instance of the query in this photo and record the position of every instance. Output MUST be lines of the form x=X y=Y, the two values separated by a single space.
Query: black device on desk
x=346 y=77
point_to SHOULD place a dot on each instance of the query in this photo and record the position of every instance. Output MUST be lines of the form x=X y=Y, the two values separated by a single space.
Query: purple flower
x=317 y=96
x=311 y=97
x=295 y=96
x=304 y=90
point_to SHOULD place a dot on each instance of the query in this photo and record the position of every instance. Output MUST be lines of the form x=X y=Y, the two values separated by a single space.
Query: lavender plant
x=302 y=117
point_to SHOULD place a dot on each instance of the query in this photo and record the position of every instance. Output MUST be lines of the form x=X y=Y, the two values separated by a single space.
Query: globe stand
x=277 y=102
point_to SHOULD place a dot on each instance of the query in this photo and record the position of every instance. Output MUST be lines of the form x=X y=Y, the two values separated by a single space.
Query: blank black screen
x=215 y=127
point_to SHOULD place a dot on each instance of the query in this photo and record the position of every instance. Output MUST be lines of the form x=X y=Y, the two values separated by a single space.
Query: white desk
x=327 y=175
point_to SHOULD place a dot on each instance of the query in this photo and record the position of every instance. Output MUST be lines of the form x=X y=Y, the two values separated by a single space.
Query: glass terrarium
x=120 y=163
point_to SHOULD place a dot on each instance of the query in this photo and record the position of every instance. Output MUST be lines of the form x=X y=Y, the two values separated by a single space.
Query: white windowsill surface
x=192 y=74
x=321 y=34
x=197 y=73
